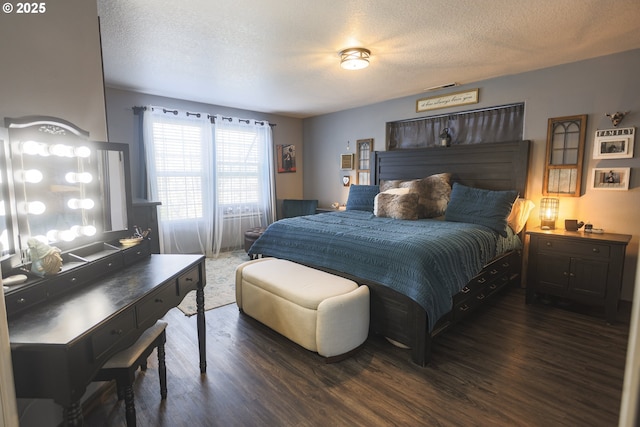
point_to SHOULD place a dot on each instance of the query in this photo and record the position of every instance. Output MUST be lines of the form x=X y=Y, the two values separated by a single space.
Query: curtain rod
x=459 y=113
x=139 y=110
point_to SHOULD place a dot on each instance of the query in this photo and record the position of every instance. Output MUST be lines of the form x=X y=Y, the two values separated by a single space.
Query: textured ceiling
x=281 y=56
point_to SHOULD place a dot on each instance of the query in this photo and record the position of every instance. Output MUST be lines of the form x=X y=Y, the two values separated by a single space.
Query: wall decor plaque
x=446 y=101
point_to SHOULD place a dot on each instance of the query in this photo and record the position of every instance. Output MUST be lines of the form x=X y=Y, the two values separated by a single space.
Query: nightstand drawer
x=586 y=248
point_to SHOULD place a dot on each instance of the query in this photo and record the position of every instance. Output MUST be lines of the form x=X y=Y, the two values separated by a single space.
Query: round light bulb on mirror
x=67 y=235
x=32 y=176
x=80 y=203
x=36 y=208
x=30 y=147
x=60 y=150
x=82 y=151
x=78 y=177
x=52 y=236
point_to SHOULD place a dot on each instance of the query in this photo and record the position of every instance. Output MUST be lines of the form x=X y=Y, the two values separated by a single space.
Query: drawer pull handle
x=110 y=265
x=74 y=280
x=482 y=280
x=465 y=290
x=464 y=307
x=572 y=275
x=189 y=279
x=564 y=273
x=21 y=301
x=160 y=300
x=480 y=297
x=505 y=265
x=493 y=286
x=117 y=332
x=493 y=272
x=139 y=253
x=596 y=250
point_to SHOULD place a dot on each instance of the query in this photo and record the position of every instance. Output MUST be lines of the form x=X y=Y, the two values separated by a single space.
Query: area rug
x=221 y=286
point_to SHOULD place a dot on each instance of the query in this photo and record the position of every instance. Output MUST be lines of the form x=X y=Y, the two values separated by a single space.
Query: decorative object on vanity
x=138 y=237
x=582 y=267
x=354 y=58
x=455 y=99
x=549 y=208
x=614 y=143
x=610 y=179
x=45 y=259
x=616 y=118
x=564 y=156
x=445 y=138
x=286 y=155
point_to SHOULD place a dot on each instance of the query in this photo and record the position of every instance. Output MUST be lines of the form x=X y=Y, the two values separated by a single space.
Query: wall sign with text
x=445 y=101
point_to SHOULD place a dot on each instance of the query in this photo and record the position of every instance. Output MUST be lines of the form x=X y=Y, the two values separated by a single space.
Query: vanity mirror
x=69 y=191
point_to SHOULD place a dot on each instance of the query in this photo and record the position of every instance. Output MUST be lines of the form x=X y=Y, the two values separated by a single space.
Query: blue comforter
x=427 y=260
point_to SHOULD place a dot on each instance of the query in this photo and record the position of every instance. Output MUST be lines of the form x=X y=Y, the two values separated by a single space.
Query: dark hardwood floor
x=510 y=364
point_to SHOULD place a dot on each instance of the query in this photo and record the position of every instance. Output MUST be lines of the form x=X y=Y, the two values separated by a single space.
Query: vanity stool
x=122 y=366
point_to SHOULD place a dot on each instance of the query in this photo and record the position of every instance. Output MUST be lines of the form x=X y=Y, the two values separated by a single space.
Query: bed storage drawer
x=491 y=279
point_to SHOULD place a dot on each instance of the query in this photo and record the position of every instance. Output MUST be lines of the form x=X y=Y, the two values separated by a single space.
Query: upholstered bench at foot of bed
x=321 y=312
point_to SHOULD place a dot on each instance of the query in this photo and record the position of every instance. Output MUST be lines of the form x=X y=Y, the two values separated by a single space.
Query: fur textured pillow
x=396 y=206
x=433 y=193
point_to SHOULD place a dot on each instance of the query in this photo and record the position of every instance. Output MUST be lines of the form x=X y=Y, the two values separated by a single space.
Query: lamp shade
x=549 y=212
x=355 y=58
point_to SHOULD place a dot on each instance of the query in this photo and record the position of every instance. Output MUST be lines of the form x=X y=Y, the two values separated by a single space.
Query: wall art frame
x=610 y=178
x=455 y=99
x=614 y=143
x=286 y=155
x=346 y=161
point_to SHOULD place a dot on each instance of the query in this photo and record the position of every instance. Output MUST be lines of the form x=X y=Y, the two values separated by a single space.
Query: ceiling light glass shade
x=355 y=58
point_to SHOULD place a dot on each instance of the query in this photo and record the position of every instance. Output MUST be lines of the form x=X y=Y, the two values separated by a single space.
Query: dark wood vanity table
x=58 y=345
x=72 y=194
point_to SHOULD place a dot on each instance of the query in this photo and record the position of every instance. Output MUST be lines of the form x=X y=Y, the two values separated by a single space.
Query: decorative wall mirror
x=363 y=168
x=565 y=152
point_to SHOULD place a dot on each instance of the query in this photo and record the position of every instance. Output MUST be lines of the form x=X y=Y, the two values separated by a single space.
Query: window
x=179 y=170
x=238 y=169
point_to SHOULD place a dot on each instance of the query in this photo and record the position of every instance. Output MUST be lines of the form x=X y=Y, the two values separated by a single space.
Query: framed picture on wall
x=614 y=143
x=610 y=178
x=286 y=158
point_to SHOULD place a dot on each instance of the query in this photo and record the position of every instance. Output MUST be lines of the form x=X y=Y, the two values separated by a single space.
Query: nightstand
x=583 y=267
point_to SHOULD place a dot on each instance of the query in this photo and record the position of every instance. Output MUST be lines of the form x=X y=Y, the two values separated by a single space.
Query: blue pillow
x=478 y=206
x=361 y=197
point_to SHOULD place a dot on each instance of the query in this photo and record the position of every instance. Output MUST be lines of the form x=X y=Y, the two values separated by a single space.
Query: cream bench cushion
x=321 y=312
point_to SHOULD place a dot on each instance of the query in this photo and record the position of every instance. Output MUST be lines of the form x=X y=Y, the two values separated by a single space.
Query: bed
x=424 y=273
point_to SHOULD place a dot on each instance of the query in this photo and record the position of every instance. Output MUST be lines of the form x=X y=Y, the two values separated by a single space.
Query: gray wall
x=123 y=127
x=594 y=87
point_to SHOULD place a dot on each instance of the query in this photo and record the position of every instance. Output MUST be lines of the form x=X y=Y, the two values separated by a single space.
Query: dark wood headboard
x=492 y=166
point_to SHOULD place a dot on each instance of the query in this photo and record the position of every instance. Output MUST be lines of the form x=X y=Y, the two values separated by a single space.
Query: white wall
x=593 y=87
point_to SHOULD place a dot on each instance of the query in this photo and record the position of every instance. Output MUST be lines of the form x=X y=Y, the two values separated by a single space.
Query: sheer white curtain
x=244 y=180
x=179 y=160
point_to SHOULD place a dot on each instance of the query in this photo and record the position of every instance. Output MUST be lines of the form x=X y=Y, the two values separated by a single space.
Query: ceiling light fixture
x=355 y=58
